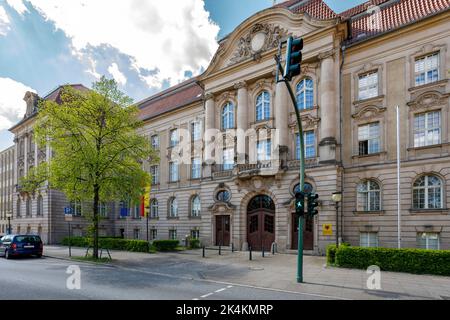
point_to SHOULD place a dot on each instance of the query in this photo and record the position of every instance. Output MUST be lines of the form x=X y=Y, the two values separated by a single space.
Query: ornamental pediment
x=222 y=207
x=368 y=113
x=429 y=99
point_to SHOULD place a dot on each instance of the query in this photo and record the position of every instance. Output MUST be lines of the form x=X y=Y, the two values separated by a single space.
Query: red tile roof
x=171 y=99
x=55 y=95
x=315 y=8
x=360 y=8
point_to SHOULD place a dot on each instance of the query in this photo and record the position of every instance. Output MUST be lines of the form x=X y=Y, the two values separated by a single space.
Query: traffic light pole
x=301 y=218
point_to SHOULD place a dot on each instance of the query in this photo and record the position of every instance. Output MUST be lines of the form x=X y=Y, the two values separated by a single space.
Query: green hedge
x=331 y=254
x=76 y=241
x=419 y=261
x=194 y=243
x=165 y=245
x=110 y=243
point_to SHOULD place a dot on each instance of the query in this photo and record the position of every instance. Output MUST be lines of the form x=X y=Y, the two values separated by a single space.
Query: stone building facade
x=6 y=187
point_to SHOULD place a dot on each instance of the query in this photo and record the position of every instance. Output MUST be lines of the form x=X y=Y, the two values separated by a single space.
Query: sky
x=145 y=45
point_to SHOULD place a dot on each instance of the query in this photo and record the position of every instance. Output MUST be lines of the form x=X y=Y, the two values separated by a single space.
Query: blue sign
x=68 y=210
x=124 y=212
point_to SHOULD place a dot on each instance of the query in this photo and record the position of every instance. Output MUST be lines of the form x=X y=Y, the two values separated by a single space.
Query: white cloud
x=172 y=36
x=17 y=5
x=12 y=105
x=4 y=22
x=117 y=75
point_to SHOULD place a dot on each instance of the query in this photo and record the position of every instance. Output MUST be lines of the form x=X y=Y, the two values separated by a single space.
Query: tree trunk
x=96 y=202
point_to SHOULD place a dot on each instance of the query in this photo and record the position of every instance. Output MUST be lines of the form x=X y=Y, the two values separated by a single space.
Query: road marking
x=220 y=290
x=207 y=295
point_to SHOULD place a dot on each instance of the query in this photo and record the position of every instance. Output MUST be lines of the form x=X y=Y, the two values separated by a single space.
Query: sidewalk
x=276 y=272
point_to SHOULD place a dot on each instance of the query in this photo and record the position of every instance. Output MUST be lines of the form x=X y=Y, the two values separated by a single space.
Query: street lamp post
x=9 y=216
x=337 y=197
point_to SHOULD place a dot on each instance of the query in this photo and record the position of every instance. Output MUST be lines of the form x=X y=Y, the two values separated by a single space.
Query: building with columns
x=6 y=187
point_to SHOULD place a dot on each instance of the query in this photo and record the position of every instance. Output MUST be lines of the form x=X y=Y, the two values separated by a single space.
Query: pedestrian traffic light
x=300 y=203
x=293 y=57
x=313 y=203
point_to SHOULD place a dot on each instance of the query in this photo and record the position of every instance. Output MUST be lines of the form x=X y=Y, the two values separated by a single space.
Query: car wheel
x=39 y=256
x=7 y=256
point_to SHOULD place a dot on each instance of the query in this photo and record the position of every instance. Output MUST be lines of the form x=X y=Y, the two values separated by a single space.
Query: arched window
x=263 y=106
x=40 y=206
x=307 y=188
x=195 y=206
x=223 y=195
x=18 y=208
x=427 y=193
x=228 y=116
x=173 y=208
x=154 y=209
x=28 y=207
x=369 y=196
x=305 y=94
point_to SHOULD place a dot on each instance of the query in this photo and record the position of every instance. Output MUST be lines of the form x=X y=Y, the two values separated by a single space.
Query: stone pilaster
x=210 y=128
x=242 y=120
x=281 y=107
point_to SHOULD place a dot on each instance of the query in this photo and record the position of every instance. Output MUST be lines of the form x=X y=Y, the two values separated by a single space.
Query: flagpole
x=399 y=239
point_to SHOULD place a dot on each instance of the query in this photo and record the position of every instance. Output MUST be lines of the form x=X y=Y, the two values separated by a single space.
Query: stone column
x=209 y=133
x=282 y=109
x=242 y=121
x=328 y=108
x=26 y=151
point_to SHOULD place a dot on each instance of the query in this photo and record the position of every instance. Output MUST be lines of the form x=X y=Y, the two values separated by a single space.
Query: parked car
x=21 y=245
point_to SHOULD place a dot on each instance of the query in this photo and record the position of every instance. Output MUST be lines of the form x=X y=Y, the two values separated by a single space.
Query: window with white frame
x=102 y=209
x=173 y=208
x=264 y=150
x=154 y=171
x=427 y=129
x=228 y=159
x=196 y=168
x=369 y=139
x=426 y=69
x=309 y=144
x=136 y=234
x=428 y=240
x=263 y=106
x=427 y=193
x=174 y=138
x=305 y=94
x=368 y=85
x=154 y=140
x=154 y=208
x=76 y=208
x=368 y=239
x=137 y=211
x=195 y=234
x=195 y=206
x=173 y=171
x=369 y=196
x=153 y=234
x=196 y=131
x=228 y=116
x=172 y=234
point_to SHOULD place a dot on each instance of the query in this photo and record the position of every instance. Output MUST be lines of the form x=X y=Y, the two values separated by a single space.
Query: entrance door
x=308 y=233
x=222 y=230
x=261 y=223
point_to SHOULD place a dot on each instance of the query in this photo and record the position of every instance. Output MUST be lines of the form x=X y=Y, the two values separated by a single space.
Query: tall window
x=369 y=138
x=263 y=106
x=195 y=206
x=174 y=138
x=428 y=240
x=154 y=140
x=368 y=239
x=153 y=234
x=427 y=129
x=427 y=69
x=196 y=131
x=173 y=234
x=228 y=159
x=18 y=209
x=427 y=193
x=368 y=85
x=40 y=206
x=136 y=234
x=154 y=209
x=137 y=211
x=173 y=208
x=195 y=234
x=173 y=171
x=309 y=142
x=196 y=168
x=76 y=208
x=228 y=116
x=154 y=171
x=369 y=198
x=264 y=150
x=103 y=209
x=305 y=94
x=28 y=207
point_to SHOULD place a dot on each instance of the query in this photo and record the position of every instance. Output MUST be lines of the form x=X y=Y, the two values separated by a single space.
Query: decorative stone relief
x=368 y=113
x=429 y=99
x=308 y=121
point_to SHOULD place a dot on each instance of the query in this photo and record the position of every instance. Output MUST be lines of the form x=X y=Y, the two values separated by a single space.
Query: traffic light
x=300 y=203
x=293 y=57
x=313 y=204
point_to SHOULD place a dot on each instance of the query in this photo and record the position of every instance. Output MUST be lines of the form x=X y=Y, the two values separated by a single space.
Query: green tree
x=98 y=153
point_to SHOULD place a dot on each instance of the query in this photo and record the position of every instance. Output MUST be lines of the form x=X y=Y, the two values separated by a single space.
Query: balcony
x=309 y=163
x=220 y=171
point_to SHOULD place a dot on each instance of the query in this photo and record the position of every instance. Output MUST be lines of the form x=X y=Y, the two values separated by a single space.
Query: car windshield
x=27 y=239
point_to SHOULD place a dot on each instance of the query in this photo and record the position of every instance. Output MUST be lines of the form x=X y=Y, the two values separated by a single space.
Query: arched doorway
x=261 y=222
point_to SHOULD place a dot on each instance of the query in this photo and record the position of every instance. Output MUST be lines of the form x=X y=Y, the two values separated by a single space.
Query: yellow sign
x=327 y=229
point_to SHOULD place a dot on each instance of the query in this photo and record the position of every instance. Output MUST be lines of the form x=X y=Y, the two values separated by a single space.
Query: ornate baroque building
x=238 y=189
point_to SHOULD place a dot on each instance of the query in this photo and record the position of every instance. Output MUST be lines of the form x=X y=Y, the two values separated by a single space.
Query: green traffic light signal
x=293 y=57
x=313 y=204
x=300 y=203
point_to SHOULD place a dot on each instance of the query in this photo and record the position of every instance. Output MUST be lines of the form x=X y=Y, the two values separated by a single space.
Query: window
x=427 y=69
x=173 y=171
x=223 y=196
x=427 y=129
x=428 y=240
x=154 y=171
x=19 y=204
x=154 y=140
x=174 y=138
x=136 y=234
x=368 y=85
x=28 y=207
x=76 y=208
x=368 y=239
x=228 y=116
x=305 y=94
x=228 y=159
x=369 y=196
x=307 y=187
x=196 y=168
x=153 y=234
x=263 y=106
x=427 y=193
x=173 y=234
x=103 y=210
x=264 y=150
x=196 y=131
x=154 y=208
x=173 y=208
x=195 y=206
x=310 y=144
x=369 y=139
x=195 y=234
x=28 y=230
x=40 y=206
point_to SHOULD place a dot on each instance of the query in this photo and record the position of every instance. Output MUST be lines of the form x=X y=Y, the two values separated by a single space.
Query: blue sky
x=142 y=44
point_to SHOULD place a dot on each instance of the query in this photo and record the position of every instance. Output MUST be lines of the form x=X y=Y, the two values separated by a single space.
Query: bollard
x=220 y=249
x=203 y=251
x=232 y=247
x=273 y=248
x=250 y=253
x=262 y=252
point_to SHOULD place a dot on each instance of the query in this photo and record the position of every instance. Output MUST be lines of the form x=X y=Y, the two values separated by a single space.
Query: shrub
x=110 y=243
x=331 y=254
x=194 y=243
x=419 y=261
x=165 y=245
x=76 y=241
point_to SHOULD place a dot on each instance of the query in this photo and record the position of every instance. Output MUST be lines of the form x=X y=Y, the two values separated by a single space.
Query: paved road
x=31 y=278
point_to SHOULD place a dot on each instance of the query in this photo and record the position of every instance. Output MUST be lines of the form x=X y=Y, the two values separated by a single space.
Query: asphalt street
x=46 y=278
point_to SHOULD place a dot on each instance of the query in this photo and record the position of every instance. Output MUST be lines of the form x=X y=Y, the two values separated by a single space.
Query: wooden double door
x=261 y=223
x=308 y=233
x=222 y=231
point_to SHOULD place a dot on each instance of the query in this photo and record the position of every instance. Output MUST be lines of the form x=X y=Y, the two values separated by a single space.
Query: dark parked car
x=21 y=245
